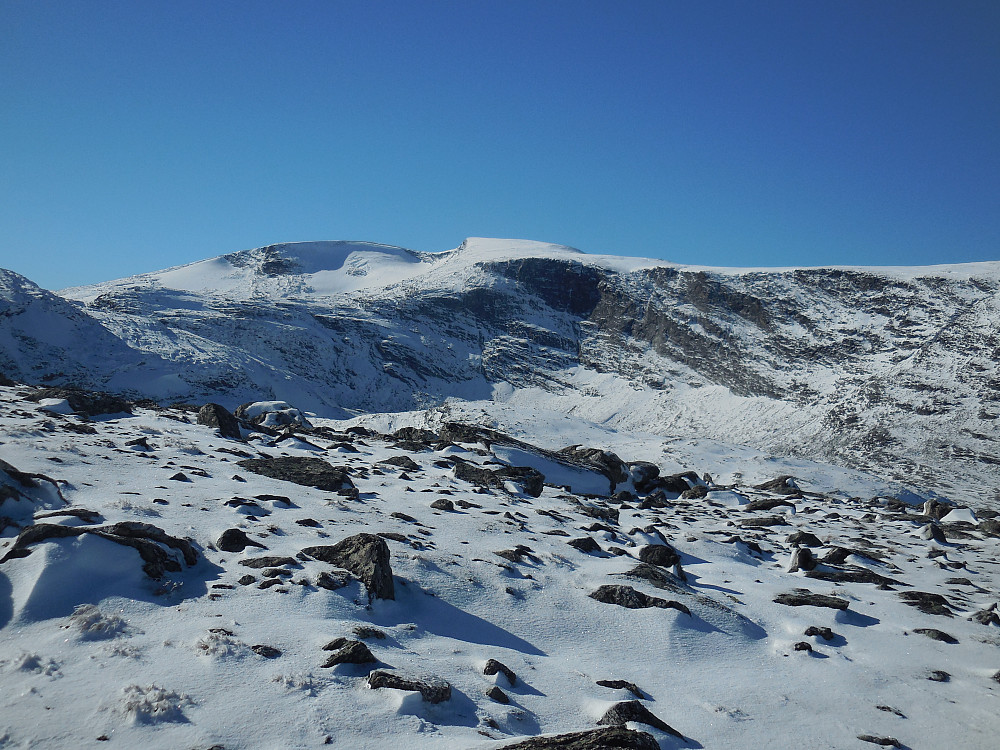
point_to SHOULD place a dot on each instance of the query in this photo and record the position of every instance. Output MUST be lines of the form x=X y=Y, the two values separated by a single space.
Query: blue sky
x=140 y=135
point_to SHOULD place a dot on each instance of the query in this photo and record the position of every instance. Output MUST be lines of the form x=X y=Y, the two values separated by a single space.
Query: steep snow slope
x=893 y=370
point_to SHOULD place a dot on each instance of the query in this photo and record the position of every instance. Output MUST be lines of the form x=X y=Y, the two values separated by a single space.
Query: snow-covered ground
x=94 y=652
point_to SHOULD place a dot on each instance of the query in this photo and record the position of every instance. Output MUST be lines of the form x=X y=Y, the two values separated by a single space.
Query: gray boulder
x=306 y=471
x=605 y=738
x=214 y=415
x=431 y=689
x=364 y=555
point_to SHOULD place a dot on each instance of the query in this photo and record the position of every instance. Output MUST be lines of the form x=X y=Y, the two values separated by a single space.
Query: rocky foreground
x=190 y=577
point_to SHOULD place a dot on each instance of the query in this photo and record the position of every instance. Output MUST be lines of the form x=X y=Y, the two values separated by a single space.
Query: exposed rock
x=493 y=666
x=585 y=544
x=531 y=480
x=268 y=561
x=678 y=482
x=695 y=493
x=802 y=559
x=755 y=523
x=628 y=597
x=351 y=652
x=990 y=527
x=443 y=503
x=306 y=471
x=884 y=741
x=932 y=532
x=783 y=485
x=148 y=540
x=825 y=633
x=498 y=695
x=415 y=435
x=643 y=474
x=804 y=539
x=404 y=462
x=659 y=554
x=804 y=598
x=235 y=540
x=929 y=603
x=431 y=689
x=86 y=403
x=626 y=711
x=607 y=738
x=938 y=675
x=853 y=574
x=802 y=646
x=246 y=580
x=214 y=415
x=769 y=503
x=364 y=555
x=606 y=462
x=987 y=616
x=268 y=652
x=623 y=685
x=937 y=635
x=271 y=415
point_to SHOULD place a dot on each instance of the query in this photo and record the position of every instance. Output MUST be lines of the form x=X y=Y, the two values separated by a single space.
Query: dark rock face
x=628 y=597
x=498 y=695
x=608 y=738
x=644 y=474
x=152 y=543
x=783 y=485
x=804 y=539
x=825 y=633
x=86 y=403
x=585 y=544
x=802 y=559
x=268 y=561
x=493 y=667
x=268 y=652
x=532 y=480
x=623 y=685
x=351 y=652
x=214 y=415
x=404 y=462
x=364 y=555
x=306 y=471
x=626 y=711
x=431 y=689
x=659 y=554
x=803 y=598
x=876 y=740
x=929 y=603
x=444 y=504
x=606 y=462
x=853 y=574
x=768 y=503
x=235 y=540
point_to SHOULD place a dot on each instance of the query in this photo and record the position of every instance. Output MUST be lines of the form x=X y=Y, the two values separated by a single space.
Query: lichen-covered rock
x=431 y=689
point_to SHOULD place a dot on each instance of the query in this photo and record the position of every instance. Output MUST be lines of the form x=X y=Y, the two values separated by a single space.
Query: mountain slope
x=893 y=370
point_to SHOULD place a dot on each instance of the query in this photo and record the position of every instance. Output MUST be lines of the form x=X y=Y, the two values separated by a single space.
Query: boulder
x=493 y=667
x=659 y=554
x=606 y=462
x=272 y=415
x=404 y=462
x=804 y=539
x=431 y=689
x=783 y=485
x=804 y=598
x=214 y=415
x=350 y=652
x=626 y=711
x=85 y=403
x=531 y=480
x=623 y=685
x=305 y=471
x=156 y=548
x=927 y=602
x=643 y=475
x=585 y=544
x=628 y=597
x=364 y=555
x=936 y=635
x=235 y=540
x=605 y=738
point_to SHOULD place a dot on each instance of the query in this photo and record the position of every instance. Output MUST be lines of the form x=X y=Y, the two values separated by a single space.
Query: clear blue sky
x=136 y=135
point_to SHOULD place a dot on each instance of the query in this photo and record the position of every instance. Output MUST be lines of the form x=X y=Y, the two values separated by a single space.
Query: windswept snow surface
x=93 y=652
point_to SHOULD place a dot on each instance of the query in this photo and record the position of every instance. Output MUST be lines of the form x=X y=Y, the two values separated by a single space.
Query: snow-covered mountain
x=890 y=369
x=539 y=499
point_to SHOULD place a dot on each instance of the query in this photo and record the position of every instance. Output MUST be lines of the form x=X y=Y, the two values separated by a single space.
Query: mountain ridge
x=891 y=369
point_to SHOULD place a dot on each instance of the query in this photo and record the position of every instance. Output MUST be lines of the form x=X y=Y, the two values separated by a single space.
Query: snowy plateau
x=506 y=496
